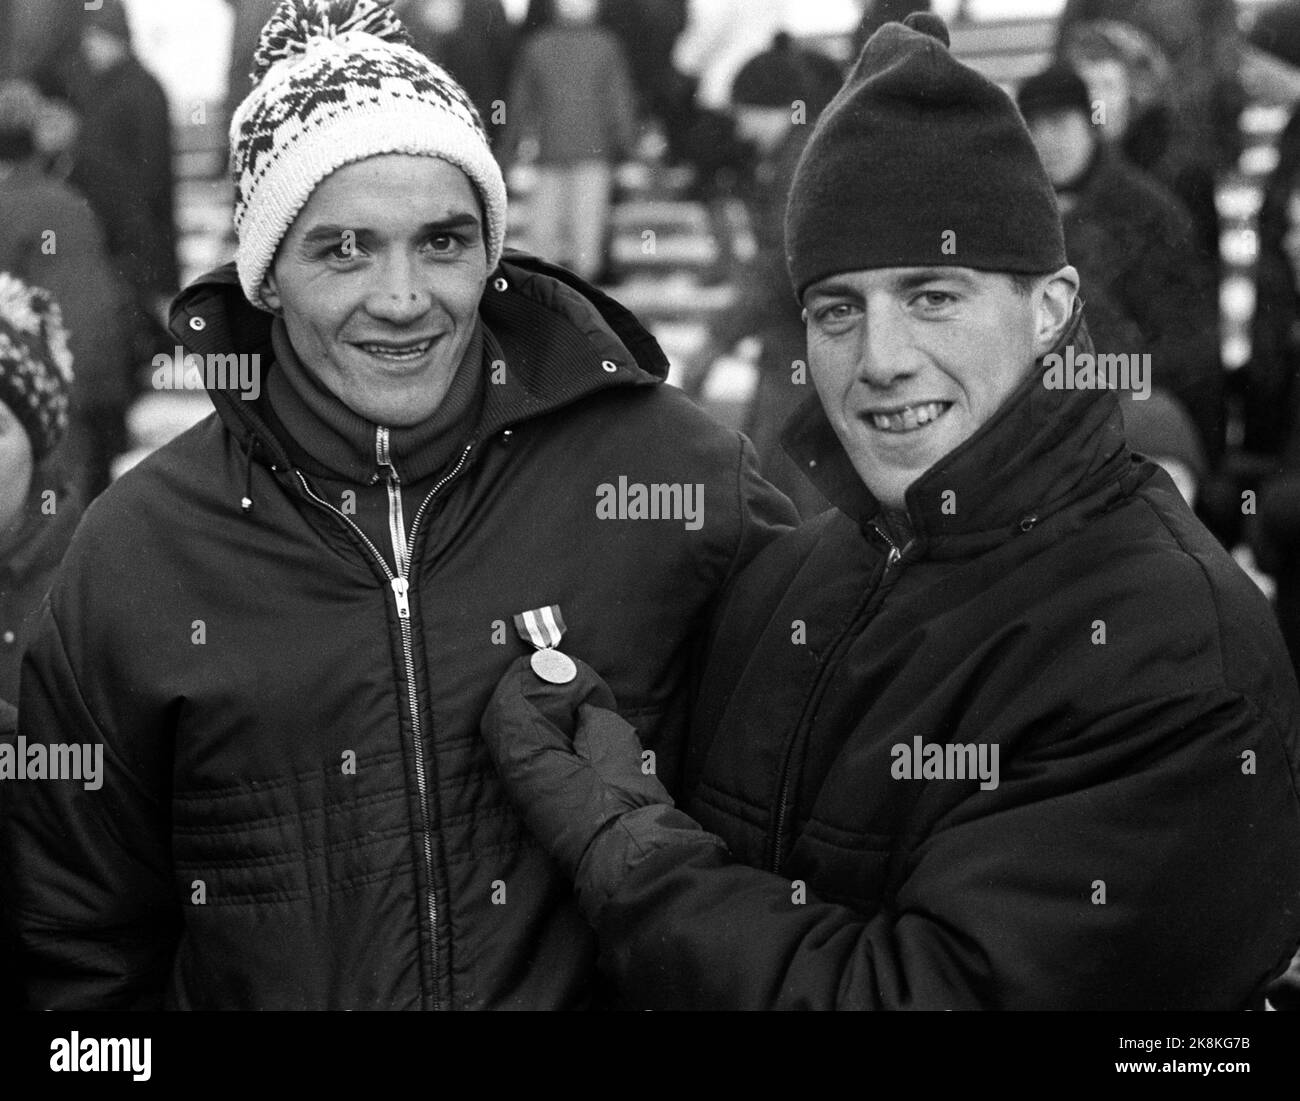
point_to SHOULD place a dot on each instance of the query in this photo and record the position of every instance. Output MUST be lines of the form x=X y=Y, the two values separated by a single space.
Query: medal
x=553 y=666
x=543 y=628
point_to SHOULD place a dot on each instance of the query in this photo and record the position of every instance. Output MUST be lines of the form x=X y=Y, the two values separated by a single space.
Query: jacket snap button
x=1028 y=522
x=609 y=366
x=198 y=324
x=500 y=283
x=9 y=638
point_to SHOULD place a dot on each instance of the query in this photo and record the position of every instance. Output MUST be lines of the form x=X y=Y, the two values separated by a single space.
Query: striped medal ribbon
x=544 y=627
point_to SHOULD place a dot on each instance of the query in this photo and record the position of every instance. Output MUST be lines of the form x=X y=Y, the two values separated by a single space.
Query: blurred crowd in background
x=618 y=120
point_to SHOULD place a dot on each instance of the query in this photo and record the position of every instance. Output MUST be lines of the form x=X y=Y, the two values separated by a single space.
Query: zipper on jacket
x=805 y=720
x=396 y=521
x=401 y=586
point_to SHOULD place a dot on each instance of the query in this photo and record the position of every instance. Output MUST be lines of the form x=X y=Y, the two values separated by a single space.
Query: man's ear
x=271 y=291
x=1053 y=308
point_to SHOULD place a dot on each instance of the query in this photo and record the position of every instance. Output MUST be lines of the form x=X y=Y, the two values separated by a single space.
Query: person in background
x=1148 y=288
x=1158 y=427
x=1131 y=80
x=474 y=41
x=1266 y=385
x=775 y=103
x=52 y=239
x=876 y=13
x=1197 y=120
x=121 y=160
x=250 y=17
x=648 y=31
x=1265 y=391
x=573 y=95
x=37 y=512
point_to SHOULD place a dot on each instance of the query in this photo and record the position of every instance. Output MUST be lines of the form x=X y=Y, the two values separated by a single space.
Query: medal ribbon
x=543 y=627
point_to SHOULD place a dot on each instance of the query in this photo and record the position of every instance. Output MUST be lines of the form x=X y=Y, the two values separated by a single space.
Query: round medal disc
x=553 y=666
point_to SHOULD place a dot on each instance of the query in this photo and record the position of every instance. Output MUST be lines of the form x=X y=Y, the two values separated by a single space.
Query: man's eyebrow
x=461 y=219
x=328 y=232
x=832 y=288
x=916 y=279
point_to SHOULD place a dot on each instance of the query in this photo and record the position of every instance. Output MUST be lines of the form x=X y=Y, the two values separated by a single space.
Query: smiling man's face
x=379 y=280
x=909 y=362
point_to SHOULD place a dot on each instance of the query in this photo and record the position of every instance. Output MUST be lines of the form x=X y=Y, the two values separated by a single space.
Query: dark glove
x=573 y=767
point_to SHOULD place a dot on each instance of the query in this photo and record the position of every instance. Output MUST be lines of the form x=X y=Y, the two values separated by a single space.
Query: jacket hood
x=562 y=339
x=1042 y=450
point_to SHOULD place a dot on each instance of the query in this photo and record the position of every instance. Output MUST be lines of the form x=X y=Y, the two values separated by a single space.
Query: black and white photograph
x=611 y=506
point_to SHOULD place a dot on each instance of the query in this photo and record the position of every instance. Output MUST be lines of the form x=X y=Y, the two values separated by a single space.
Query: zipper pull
x=382 y=456
x=400 y=589
x=894 y=553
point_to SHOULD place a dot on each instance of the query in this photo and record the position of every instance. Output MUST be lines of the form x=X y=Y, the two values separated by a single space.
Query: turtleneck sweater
x=335 y=447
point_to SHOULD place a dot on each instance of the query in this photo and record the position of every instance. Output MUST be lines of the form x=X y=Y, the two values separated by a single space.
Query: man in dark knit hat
x=1006 y=728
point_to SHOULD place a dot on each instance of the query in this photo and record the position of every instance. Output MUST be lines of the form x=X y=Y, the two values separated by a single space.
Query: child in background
x=37 y=517
x=573 y=94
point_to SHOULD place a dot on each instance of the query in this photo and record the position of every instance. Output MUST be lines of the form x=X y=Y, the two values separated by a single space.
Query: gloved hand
x=573 y=767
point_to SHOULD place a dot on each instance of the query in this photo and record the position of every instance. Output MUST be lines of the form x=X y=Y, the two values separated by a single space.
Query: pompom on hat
x=335 y=82
x=35 y=363
x=919 y=161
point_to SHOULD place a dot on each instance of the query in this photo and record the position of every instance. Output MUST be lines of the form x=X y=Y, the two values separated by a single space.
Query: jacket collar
x=1042 y=450
x=559 y=339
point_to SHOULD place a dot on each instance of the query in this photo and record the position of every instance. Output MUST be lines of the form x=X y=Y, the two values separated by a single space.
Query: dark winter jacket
x=297 y=810
x=1139 y=846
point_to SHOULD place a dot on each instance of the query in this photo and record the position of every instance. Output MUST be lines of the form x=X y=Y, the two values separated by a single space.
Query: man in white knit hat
x=426 y=459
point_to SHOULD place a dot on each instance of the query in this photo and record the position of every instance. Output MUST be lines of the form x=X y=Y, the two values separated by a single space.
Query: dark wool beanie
x=1056 y=89
x=919 y=161
x=775 y=78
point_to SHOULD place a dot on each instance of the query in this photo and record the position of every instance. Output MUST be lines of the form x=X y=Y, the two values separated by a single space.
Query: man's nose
x=886 y=353
x=399 y=293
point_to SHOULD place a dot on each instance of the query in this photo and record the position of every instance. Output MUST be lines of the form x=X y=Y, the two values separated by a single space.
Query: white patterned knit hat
x=337 y=81
x=35 y=363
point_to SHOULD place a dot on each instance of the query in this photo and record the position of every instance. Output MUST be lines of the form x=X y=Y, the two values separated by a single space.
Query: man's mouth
x=397 y=351
x=906 y=418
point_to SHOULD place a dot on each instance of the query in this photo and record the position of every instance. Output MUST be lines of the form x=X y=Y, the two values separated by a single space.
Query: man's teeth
x=413 y=351
x=912 y=416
